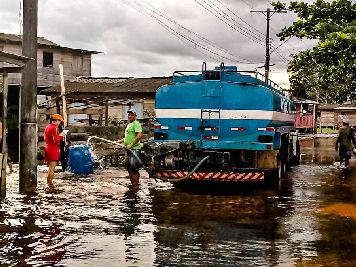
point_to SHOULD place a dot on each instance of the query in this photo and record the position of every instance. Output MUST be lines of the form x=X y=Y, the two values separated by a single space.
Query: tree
x=327 y=72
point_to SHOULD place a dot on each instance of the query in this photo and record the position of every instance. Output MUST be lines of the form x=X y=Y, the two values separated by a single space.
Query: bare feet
x=52 y=189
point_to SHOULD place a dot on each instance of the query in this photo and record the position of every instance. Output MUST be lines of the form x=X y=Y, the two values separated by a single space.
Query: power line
x=272 y=39
x=186 y=39
x=268 y=15
x=193 y=42
x=192 y=32
x=256 y=30
x=231 y=23
x=224 y=16
x=274 y=49
x=170 y=30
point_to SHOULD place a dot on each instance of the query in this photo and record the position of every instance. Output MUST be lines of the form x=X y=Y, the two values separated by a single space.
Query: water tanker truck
x=222 y=125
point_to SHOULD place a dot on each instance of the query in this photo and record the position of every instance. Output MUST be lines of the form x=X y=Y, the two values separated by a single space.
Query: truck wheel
x=281 y=168
x=298 y=153
x=284 y=166
x=296 y=159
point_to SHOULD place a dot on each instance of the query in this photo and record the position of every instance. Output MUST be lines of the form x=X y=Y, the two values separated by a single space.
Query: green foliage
x=327 y=131
x=326 y=73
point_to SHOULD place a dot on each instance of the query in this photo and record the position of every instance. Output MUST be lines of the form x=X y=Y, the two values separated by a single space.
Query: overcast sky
x=156 y=37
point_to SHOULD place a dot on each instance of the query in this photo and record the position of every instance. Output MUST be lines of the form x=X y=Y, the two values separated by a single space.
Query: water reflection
x=98 y=221
x=132 y=210
x=26 y=237
x=208 y=230
x=318 y=150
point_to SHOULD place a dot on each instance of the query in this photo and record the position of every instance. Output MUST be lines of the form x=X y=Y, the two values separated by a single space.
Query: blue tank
x=222 y=109
x=80 y=160
x=222 y=125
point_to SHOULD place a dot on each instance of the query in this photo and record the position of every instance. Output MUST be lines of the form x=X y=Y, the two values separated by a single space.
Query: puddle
x=342 y=209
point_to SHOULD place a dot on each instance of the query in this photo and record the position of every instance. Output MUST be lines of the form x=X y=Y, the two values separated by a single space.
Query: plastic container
x=80 y=160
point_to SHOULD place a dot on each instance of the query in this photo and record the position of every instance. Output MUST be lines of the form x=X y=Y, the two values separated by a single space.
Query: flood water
x=309 y=219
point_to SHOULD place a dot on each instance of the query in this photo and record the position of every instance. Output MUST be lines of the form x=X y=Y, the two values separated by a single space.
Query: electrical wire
x=232 y=24
x=247 y=32
x=186 y=35
x=195 y=34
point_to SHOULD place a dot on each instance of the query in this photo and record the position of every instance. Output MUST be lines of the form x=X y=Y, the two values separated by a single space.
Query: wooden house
x=76 y=62
x=305 y=115
x=17 y=63
x=104 y=101
x=328 y=114
x=350 y=112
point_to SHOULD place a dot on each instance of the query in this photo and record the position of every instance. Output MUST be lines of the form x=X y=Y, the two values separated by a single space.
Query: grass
x=327 y=130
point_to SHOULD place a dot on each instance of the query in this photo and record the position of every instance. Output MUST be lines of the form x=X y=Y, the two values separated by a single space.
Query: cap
x=57 y=117
x=131 y=110
x=345 y=120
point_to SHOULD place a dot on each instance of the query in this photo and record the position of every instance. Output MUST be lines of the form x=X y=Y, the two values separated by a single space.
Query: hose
x=106 y=140
x=188 y=175
x=115 y=143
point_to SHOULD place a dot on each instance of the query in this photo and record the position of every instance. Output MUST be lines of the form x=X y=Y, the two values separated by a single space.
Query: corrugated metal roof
x=327 y=106
x=112 y=85
x=337 y=107
x=14 y=38
x=303 y=100
x=346 y=107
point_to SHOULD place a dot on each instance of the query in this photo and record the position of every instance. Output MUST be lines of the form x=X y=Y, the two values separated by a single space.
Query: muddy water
x=307 y=220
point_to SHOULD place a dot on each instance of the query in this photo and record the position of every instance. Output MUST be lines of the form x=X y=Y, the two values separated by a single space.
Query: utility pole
x=19 y=61
x=3 y=134
x=268 y=15
x=28 y=102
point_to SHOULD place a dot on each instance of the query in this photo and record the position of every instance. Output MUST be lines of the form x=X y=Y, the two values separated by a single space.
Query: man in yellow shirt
x=133 y=135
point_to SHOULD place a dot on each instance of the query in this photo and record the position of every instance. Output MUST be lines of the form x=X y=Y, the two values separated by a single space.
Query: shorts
x=345 y=154
x=132 y=160
x=51 y=153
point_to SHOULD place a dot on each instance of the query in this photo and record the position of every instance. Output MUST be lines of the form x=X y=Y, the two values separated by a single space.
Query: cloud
x=156 y=37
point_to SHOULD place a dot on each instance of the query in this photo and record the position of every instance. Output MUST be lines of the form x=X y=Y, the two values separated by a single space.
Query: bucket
x=80 y=160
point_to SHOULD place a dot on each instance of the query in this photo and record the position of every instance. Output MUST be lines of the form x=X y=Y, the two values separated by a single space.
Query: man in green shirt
x=344 y=142
x=133 y=135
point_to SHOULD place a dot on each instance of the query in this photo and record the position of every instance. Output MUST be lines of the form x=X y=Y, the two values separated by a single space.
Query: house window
x=47 y=59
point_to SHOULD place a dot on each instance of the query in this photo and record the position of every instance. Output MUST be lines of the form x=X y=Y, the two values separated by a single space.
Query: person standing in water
x=52 y=138
x=63 y=146
x=131 y=140
x=344 y=142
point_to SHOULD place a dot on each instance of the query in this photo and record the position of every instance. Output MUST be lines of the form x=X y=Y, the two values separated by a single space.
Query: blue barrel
x=80 y=160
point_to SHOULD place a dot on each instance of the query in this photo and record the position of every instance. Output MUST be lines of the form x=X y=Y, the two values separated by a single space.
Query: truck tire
x=285 y=166
x=284 y=154
x=295 y=160
x=281 y=167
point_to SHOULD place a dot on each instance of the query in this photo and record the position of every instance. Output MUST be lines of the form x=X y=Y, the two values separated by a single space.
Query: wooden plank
x=63 y=93
x=3 y=163
x=70 y=111
x=4 y=112
x=14 y=59
x=3 y=134
x=10 y=69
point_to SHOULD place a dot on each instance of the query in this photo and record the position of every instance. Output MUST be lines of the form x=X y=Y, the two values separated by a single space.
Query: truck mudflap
x=176 y=176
